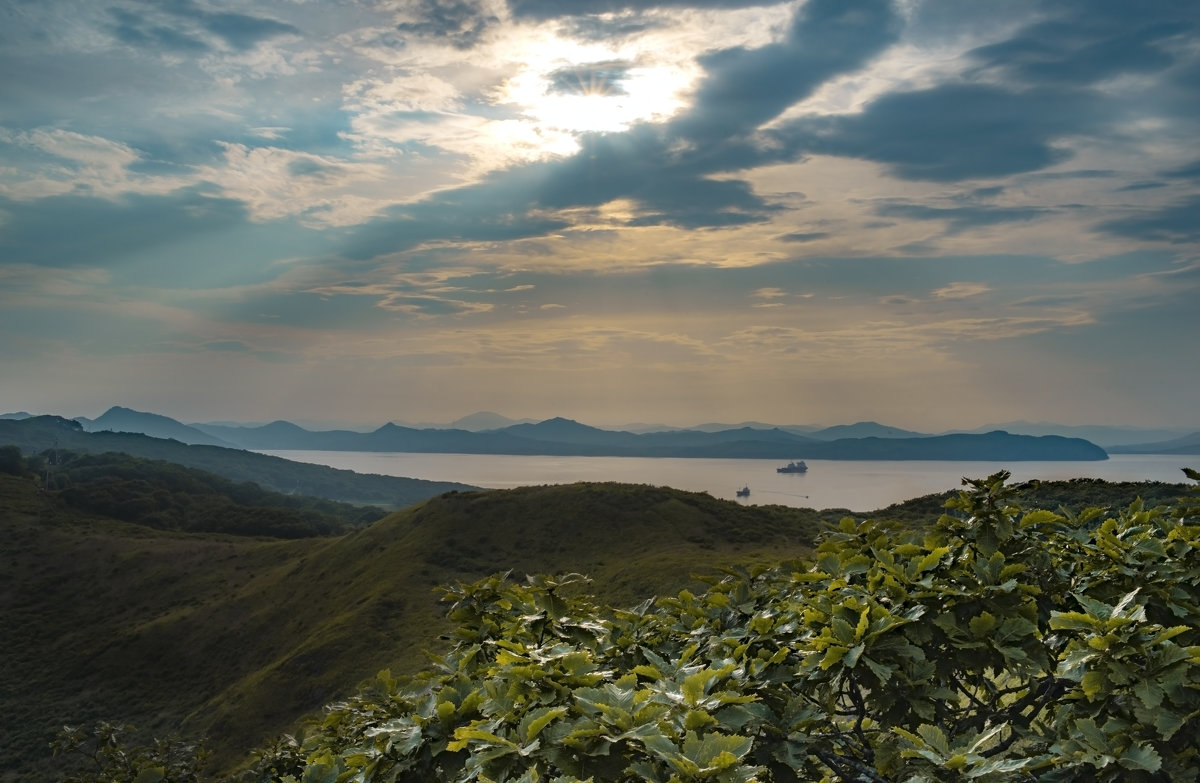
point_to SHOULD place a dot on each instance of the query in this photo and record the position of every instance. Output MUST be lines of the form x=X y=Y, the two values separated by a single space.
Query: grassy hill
x=237 y=637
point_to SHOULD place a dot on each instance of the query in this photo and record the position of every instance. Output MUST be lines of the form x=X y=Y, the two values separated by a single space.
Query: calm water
x=858 y=485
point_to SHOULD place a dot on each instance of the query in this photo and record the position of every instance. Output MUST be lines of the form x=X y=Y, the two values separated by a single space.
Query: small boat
x=744 y=492
x=793 y=467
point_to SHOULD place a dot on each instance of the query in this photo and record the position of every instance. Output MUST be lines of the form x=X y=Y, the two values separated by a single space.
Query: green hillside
x=236 y=638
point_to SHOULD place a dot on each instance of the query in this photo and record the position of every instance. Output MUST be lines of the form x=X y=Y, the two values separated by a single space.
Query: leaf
x=1141 y=757
x=982 y=624
x=932 y=559
x=832 y=655
x=1092 y=684
x=540 y=719
x=935 y=738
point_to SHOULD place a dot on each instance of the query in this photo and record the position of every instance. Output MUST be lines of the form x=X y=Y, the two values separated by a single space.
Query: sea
x=856 y=485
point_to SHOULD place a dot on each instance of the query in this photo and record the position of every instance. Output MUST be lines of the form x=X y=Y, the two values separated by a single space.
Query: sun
x=565 y=88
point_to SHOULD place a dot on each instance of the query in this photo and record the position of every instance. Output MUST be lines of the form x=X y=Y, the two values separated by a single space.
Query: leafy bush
x=999 y=644
x=107 y=755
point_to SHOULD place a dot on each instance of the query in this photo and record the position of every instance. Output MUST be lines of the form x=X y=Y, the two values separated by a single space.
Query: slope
x=236 y=638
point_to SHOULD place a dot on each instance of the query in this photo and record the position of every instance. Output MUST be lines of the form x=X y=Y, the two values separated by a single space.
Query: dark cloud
x=1135 y=186
x=956 y=131
x=808 y=236
x=596 y=28
x=590 y=79
x=458 y=22
x=1176 y=223
x=245 y=32
x=133 y=30
x=239 y=31
x=959 y=219
x=1187 y=171
x=745 y=88
x=1089 y=47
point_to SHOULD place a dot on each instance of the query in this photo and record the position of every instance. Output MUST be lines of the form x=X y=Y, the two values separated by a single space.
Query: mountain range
x=565 y=437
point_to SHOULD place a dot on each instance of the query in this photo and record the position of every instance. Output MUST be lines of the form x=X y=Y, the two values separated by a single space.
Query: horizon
x=921 y=213
x=644 y=426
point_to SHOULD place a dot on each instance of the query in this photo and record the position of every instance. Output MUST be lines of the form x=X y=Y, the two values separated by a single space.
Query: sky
x=928 y=213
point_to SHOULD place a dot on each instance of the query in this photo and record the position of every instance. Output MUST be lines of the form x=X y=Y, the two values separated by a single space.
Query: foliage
x=107 y=755
x=1000 y=644
x=11 y=461
x=167 y=496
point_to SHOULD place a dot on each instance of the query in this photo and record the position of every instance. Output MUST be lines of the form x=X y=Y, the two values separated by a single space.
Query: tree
x=999 y=644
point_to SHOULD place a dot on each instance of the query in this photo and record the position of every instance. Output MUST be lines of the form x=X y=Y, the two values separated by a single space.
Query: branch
x=835 y=763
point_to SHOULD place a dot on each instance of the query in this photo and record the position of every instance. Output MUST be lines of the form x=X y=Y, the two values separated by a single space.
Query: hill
x=41 y=433
x=118 y=419
x=236 y=638
x=1188 y=444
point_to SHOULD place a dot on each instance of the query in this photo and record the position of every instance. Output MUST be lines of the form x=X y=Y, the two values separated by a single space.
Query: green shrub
x=998 y=644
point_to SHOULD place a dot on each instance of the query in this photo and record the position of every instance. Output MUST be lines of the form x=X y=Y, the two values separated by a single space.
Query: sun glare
x=568 y=88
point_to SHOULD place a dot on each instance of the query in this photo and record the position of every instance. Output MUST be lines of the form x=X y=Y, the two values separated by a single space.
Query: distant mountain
x=41 y=433
x=118 y=419
x=560 y=430
x=864 y=429
x=566 y=437
x=1102 y=435
x=712 y=426
x=484 y=420
x=1188 y=444
x=16 y=416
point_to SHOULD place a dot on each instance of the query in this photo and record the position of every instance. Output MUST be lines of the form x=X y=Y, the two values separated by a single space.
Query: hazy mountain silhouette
x=118 y=419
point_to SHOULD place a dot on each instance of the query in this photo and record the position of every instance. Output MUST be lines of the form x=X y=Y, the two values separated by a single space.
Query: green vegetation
x=42 y=433
x=167 y=496
x=1001 y=644
x=235 y=638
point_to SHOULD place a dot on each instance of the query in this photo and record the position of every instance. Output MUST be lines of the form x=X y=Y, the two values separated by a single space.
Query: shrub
x=999 y=644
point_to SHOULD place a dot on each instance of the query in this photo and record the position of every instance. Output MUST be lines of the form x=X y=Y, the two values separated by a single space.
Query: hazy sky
x=931 y=213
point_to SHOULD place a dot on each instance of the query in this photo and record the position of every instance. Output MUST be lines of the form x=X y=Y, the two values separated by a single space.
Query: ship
x=793 y=467
x=744 y=492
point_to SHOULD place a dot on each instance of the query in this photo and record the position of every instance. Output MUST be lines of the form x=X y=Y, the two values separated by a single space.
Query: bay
x=857 y=485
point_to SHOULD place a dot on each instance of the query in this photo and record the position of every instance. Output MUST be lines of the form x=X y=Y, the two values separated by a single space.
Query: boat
x=744 y=492
x=793 y=467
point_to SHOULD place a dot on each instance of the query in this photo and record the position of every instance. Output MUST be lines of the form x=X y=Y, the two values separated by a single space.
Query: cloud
x=744 y=88
x=132 y=29
x=550 y=9
x=805 y=236
x=1176 y=223
x=960 y=290
x=178 y=26
x=960 y=219
x=1086 y=45
x=73 y=230
x=954 y=132
x=460 y=23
